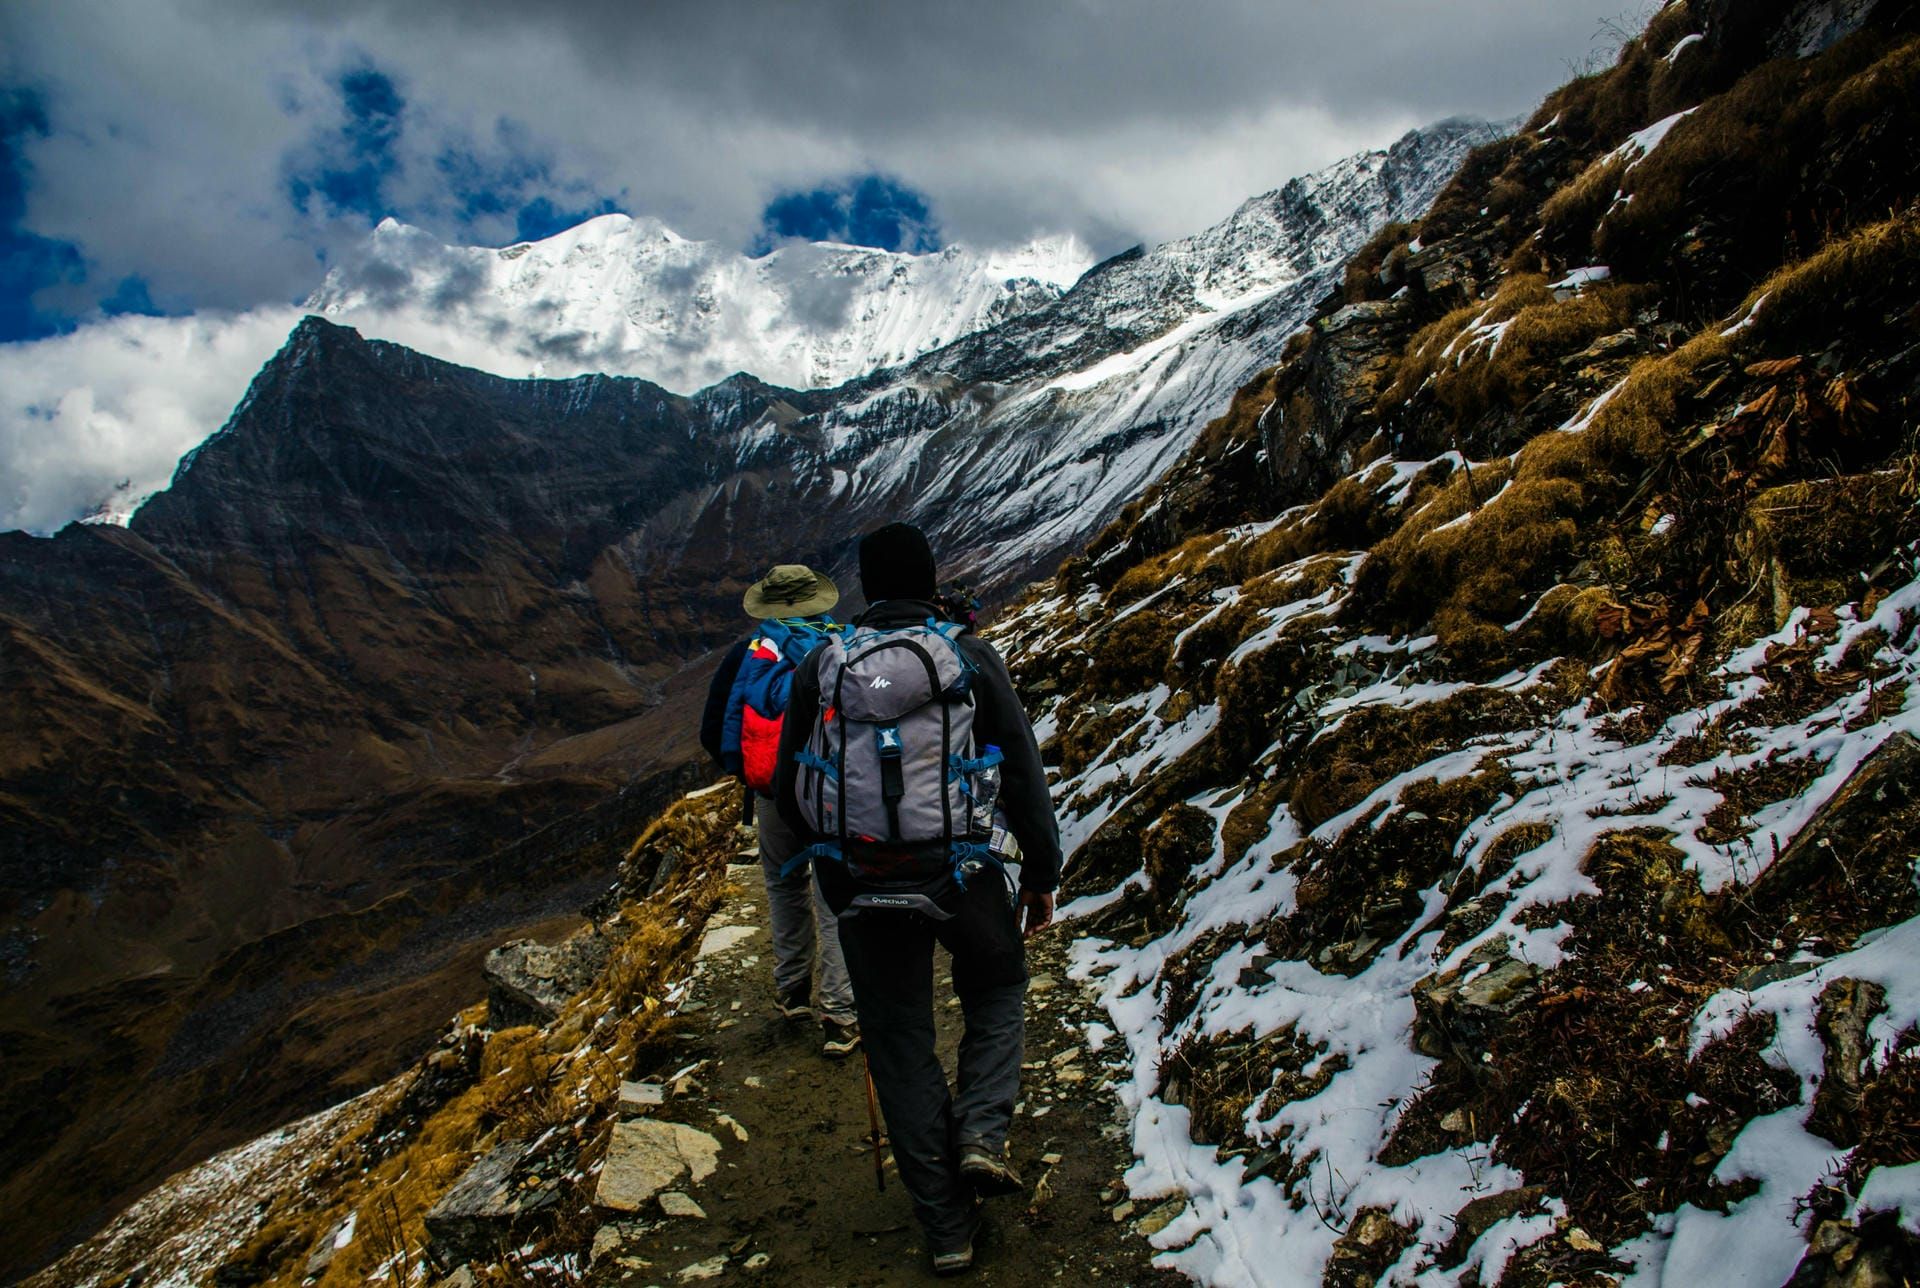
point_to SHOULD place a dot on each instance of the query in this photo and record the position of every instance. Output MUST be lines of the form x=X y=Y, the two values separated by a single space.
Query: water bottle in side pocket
x=986 y=792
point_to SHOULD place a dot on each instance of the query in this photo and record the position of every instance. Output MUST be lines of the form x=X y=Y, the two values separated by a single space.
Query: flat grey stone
x=637 y=1097
x=645 y=1156
x=674 y=1203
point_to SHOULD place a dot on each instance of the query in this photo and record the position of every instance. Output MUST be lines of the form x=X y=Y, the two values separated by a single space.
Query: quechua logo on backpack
x=894 y=777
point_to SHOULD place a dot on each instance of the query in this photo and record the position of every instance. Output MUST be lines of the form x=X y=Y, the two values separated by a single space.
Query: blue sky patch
x=515 y=179
x=866 y=210
x=353 y=166
x=28 y=263
x=132 y=295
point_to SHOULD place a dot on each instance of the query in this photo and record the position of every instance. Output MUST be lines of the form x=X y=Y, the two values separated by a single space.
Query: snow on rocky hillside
x=1489 y=756
x=626 y=296
x=1018 y=442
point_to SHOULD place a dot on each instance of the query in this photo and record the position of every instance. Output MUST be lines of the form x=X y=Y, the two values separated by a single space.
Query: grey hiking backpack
x=891 y=775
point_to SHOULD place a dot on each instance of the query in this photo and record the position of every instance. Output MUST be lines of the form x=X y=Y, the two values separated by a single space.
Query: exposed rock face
x=1863 y=832
x=528 y=982
x=1875 y=1252
x=488 y=1207
x=1461 y=1012
x=1320 y=405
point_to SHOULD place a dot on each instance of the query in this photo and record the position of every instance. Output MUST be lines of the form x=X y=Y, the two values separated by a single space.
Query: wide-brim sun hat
x=790 y=590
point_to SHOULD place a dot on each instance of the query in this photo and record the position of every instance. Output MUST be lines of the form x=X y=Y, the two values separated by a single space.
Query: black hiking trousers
x=890 y=959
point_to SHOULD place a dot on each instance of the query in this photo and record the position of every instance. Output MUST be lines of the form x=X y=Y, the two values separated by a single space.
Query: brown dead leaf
x=1645 y=647
x=1775 y=451
x=1610 y=620
x=1613 y=685
x=1762 y=405
x=1773 y=368
x=1847 y=404
x=1579 y=993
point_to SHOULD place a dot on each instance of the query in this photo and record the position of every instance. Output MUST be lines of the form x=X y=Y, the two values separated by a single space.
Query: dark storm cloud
x=223 y=151
x=862 y=65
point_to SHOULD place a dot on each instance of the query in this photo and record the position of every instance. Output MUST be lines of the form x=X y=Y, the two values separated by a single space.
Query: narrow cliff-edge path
x=794 y=1198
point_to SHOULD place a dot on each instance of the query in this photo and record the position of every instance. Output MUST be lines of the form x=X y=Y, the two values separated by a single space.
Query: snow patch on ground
x=1576 y=776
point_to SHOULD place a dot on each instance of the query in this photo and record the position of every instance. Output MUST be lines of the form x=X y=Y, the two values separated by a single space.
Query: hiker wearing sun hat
x=745 y=709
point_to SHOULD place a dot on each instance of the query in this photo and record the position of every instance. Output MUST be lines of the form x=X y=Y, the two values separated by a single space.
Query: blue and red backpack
x=757 y=704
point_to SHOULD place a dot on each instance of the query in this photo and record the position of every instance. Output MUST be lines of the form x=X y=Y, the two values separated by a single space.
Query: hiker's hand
x=1036 y=911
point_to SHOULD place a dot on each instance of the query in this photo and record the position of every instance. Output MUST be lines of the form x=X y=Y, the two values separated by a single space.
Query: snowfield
x=624 y=296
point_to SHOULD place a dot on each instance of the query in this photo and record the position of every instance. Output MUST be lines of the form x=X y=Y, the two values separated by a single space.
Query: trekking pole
x=873 y=1120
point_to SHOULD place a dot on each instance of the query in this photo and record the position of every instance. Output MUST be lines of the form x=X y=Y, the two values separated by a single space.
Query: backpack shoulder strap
x=796 y=639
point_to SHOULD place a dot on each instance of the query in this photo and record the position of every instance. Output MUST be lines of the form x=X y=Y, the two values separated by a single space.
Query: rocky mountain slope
x=1488 y=755
x=362 y=688
x=1017 y=442
x=624 y=296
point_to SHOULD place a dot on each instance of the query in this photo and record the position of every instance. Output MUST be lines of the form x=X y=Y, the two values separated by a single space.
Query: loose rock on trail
x=794 y=1198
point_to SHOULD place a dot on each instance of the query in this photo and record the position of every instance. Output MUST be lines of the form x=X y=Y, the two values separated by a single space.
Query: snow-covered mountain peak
x=627 y=295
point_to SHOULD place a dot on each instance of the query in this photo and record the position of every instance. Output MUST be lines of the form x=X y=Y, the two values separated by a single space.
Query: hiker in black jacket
x=950 y=1148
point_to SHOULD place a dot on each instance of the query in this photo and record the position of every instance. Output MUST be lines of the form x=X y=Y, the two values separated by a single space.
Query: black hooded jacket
x=998 y=719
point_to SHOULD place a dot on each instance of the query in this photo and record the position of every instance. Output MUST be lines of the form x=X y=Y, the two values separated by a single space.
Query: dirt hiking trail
x=793 y=1200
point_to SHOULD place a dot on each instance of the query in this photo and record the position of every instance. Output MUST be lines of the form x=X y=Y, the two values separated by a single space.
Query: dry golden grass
x=1571 y=213
x=1893 y=78
x=1471 y=370
x=1470 y=557
x=1382 y=249
x=1841 y=285
x=525 y=1084
x=1802 y=151
x=1601 y=109
x=1153 y=574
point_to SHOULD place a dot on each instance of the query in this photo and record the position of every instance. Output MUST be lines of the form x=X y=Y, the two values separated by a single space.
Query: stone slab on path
x=645 y=1156
x=794 y=1198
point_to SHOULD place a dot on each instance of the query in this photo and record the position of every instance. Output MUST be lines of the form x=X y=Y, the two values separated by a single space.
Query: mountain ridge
x=626 y=295
x=399 y=615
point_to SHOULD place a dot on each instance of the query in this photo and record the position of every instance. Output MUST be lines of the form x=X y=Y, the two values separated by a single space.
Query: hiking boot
x=796 y=1005
x=957 y=1262
x=989 y=1173
x=842 y=1037
x=960 y=1260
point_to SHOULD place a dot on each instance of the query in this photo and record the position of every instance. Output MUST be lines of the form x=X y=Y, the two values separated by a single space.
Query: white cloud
x=1115 y=119
x=174 y=122
x=100 y=417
